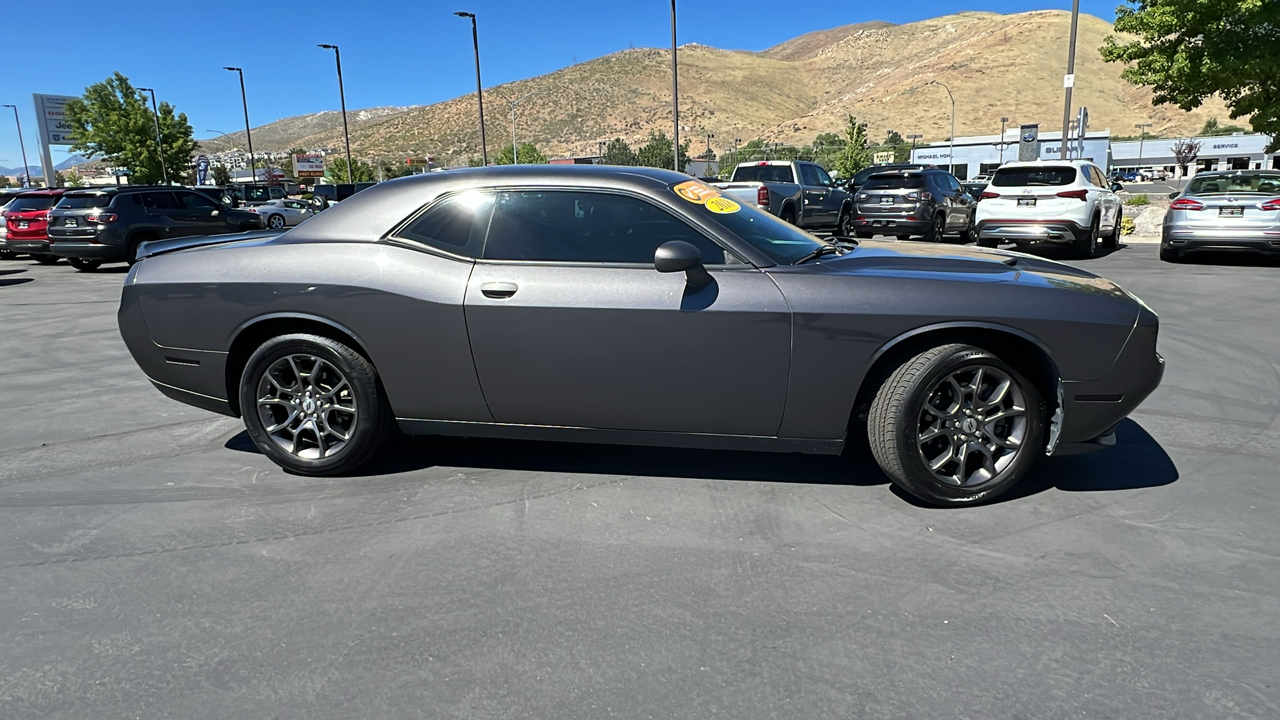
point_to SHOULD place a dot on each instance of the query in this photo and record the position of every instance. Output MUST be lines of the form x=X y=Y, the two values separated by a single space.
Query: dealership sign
x=309 y=165
x=51 y=109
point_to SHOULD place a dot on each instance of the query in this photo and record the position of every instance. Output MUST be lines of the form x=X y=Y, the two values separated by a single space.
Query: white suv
x=1057 y=201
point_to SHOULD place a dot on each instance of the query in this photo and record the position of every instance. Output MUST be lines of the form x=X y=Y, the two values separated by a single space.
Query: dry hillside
x=997 y=65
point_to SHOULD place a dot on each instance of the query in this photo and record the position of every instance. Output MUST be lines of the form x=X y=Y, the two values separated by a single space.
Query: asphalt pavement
x=153 y=564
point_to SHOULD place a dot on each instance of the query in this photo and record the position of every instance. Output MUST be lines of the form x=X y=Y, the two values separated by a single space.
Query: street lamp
x=1070 y=80
x=675 y=94
x=1141 y=138
x=913 y=137
x=253 y=170
x=342 y=98
x=26 y=169
x=475 y=42
x=155 y=113
x=1003 y=121
x=951 y=154
x=515 y=156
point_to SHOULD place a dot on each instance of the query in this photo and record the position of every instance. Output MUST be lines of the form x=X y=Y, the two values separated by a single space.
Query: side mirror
x=1173 y=195
x=680 y=256
x=1115 y=186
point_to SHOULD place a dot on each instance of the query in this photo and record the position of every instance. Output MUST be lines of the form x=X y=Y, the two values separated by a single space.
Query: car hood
x=964 y=263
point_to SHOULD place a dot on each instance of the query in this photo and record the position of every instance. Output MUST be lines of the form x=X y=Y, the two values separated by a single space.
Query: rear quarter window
x=1034 y=176
x=764 y=173
x=25 y=204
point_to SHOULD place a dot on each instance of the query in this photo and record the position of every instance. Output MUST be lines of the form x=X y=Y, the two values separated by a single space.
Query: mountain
x=996 y=66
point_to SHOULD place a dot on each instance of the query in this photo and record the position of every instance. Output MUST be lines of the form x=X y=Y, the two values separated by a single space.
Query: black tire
x=1112 y=241
x=1170 y=255
x=85 y=264
x=1087 y=247
x=319 y=202
x=788 y=215
x=46 y=259
x=135 y=243
x=988 y=242
x=844 y=226
x=275 y=221
x=904 y=237
x=863 y=235
x=967 y=235
x=370 y=415
x=896 y=420
x=7 y=254
x=937 y=229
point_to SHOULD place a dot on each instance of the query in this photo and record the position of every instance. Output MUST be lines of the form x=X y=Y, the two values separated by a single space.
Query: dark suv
x=90 y=227
x=913 y=202
x=325 y=194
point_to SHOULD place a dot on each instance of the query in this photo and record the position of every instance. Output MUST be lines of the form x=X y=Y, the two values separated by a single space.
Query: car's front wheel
x=275 y=222
x=937 y=229
x=844 y=226
x=313 y=405
x=956 y=425
x=84 y=264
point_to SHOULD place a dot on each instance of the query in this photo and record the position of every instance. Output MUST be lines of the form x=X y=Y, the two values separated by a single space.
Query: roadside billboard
x=308 y=165
x=883 y=158
x=51 y=121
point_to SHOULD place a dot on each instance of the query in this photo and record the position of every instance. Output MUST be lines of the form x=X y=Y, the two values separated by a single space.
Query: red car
x=26 y=222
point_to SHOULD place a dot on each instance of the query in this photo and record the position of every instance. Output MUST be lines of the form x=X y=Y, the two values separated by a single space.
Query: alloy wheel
x=307 y=406
x=973 y=425
x=275 y=222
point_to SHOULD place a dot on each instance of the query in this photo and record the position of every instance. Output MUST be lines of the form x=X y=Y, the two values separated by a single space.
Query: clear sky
x=394 y=52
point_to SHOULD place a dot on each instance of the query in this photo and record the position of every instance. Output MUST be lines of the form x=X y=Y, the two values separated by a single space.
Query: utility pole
x=342 y=98
x=951 y=154
x=26 y=169
x=475 y=42
x=1069 y=81
x=1003 y=121
x=675 y=94
x=248 y=135
x=1141 y=139
x=515 y=156
x=155 y=113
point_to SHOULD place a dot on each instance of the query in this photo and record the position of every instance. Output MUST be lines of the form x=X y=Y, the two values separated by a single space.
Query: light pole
x=707 y=155
x=342 y=98
x=1003 y=121
x=244 y=99
x=26 y=169
x=515 y=156
x=1141 y=138
x=155 y=113
x=475 y=42
x=1070 y=80
x=913 y=137
x=951 y=154
x=675 y=94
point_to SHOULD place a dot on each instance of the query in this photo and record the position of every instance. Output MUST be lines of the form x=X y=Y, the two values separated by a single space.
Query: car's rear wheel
x=788 y=216
x=844 y=226
x=1170 y=255
x=275 y=221
x=966 y=235
x=1112 y=241
x=1087 y=247
x=135 y=243
x=85 y=264
x=46 y=259
x=7 y=254
x=313 y=405
x=956 y=425
x=937 y=229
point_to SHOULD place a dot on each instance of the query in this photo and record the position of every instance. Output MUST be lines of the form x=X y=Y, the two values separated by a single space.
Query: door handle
x=498 y=290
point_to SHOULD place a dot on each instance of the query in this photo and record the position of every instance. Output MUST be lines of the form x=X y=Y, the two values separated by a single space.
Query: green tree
x=1189 y=50
x=73 y=178
x=336 y=170
x=657 y=153
x=529 y=155
x=618 y=152
x=58 y=179
x=390 y=169
x=1213 y=129
x=829 y=140
x=113 y=121
x=221 y=176
x=854 y=155
x=475 y=161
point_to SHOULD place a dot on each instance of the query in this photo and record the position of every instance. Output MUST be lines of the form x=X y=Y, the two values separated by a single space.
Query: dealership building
x=982 y=154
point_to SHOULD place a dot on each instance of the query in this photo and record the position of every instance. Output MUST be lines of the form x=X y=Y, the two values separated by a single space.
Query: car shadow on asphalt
x=1135 y=461
x=1230 y=259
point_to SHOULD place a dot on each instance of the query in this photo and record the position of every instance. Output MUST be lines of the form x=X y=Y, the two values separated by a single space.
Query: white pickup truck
x=802 y=193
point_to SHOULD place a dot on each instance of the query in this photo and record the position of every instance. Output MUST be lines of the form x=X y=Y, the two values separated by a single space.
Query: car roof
x=1074 y=162
x=43 y=192
x=369 y=214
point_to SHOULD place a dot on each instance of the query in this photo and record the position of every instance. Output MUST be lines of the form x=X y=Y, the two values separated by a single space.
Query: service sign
x=50 y=110
x=310 y=165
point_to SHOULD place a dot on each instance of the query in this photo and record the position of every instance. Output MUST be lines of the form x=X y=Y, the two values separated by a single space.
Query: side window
x=1100 y=179
x=823 y=177
x=159 y=201
x=586 y=227
x=196 y=201
x=954 y=184
x=455 y=225
x=809 y=176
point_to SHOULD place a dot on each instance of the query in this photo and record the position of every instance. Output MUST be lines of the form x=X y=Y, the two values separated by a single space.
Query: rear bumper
x=27 y=246
x=890 y=224
x=1054 y=230
x=1265 y=240
x=82 y=249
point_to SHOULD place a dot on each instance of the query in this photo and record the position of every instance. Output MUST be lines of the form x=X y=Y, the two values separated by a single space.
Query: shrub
x=1138 y=200
x=1127 y=226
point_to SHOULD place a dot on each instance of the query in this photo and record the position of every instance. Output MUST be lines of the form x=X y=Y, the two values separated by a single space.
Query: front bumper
x=1182 y=238
x=1092 y=409
x=82 y=249
x=1054 y=230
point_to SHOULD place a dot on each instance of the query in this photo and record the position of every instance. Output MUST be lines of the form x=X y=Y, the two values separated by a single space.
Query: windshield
x=1034 y=176
x=1265 y=183
x=894 y=182
x=861 y=176
x=75 y=202
x=763 y=173
x=781 y=242
x=25 y=204
x=253 y=194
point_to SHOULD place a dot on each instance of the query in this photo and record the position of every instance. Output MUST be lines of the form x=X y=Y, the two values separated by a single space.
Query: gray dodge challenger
x=636 y=306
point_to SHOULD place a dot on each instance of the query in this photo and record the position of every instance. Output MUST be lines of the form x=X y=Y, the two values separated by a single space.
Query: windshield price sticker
x=722 y=205
x=695 y=192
